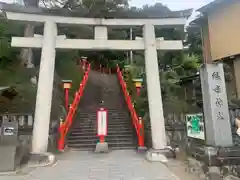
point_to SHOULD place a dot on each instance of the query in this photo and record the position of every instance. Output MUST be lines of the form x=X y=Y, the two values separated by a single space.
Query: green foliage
x=187 y=66
x=194 y=41
x=172 y=66
x=67 y=69
x=7 y=54
x=18 y=77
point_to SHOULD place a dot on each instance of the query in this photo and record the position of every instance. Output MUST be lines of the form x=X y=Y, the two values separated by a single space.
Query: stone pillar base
x=41 y=160
x=141 y=149
x=101 y=147
x=159 y=155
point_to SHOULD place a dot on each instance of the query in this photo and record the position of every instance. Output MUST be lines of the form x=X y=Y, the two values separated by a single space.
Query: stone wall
x=175 y=131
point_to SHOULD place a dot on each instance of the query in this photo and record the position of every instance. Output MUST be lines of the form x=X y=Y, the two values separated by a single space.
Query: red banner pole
x=102 y=139
x=66 y=98
x=138 y=91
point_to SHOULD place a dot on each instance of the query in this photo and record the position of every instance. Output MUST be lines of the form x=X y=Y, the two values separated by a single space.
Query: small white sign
x=21 y=120
x=8 y=131
x=102 y=122
x=30 y=120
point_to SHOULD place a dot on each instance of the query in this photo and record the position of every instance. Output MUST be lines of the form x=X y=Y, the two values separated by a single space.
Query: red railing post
x=66 y=98
x=102 y=139
x=61 y=139
x=140 y=133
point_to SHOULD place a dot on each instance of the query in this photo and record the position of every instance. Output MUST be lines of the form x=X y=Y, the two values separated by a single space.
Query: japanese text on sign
x=216 y=76
x=218 y=100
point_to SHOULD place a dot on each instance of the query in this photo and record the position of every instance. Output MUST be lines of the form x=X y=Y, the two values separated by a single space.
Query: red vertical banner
x=102 y=123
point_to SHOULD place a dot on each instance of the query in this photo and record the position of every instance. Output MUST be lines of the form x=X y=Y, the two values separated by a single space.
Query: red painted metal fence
x=137 y=122
x=65 y=126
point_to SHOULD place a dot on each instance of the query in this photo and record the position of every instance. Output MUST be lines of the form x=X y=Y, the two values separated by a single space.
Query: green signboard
x=195 y=126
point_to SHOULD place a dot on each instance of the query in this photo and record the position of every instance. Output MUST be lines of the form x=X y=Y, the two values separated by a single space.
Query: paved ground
x=117 y=165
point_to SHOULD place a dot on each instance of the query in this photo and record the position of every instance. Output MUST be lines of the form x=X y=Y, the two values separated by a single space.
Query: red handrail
x=137 y=121
x=65 y=126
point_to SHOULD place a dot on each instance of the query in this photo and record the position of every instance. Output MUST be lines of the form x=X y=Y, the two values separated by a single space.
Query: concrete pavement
x=116 y=165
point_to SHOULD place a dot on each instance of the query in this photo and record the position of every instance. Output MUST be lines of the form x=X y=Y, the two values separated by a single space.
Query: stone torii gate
x=49 y=43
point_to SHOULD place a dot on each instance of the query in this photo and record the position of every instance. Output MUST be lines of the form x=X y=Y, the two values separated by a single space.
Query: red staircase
x=101 y=90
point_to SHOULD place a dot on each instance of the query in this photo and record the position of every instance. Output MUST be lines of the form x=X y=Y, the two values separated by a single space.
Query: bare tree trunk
x=27 y=53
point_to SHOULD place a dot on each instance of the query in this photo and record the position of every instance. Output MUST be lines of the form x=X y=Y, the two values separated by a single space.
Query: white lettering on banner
x=102 y=123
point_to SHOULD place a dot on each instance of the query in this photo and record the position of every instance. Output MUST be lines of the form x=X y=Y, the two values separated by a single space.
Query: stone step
x=123 y=114
x=94 y=113
x=93 y=132
x=110 y=123
x=95 y=137
x=93 y=148
x=94 y=128
x=110 y=129
x=110 y=119
x=87 y=133
x=114 y=145
x=94 y=125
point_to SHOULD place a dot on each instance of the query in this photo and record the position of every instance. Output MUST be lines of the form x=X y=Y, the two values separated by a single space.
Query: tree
x=194 y=41
x=7 y=54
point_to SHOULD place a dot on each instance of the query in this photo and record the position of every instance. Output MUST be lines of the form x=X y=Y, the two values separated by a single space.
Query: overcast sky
x=174 y=4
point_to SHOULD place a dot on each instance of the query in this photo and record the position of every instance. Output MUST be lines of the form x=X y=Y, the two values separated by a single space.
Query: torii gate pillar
x=45 y=87
x=154 y=96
